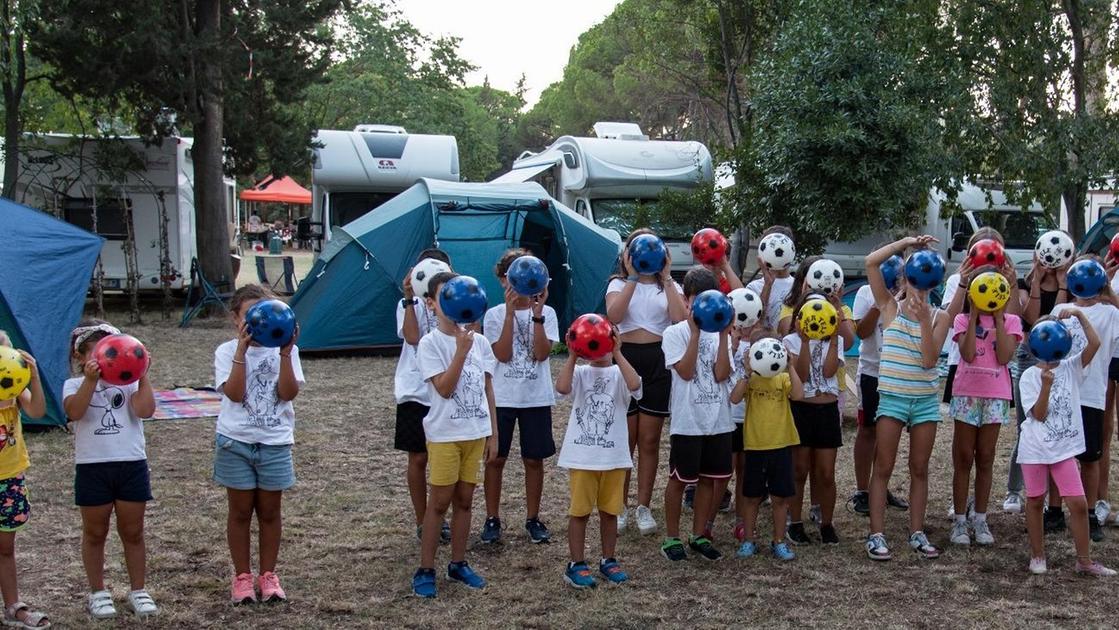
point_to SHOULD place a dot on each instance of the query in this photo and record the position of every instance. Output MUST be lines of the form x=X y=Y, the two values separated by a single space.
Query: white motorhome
x=357 y=171
x=609 y=178
x=74 y=176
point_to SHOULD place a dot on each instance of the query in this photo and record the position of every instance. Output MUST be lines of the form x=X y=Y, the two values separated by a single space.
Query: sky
x=505 y=38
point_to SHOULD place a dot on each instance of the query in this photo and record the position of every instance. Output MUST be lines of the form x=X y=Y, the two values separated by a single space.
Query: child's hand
x=617 y=343
x=32 y=364
x=406 y=285
x=91 y=370
x=916 y=307
x=965 y=271
x=244 y=340
x=510 y=297
x=540 y=300
x=627 y=264
x=1046 y=376
x=1010 y=273
x=767 y=273
x=692 y=326
x=491 y=449
x=464 y=340
x=1062 y=273
x=666 y=272
x=923 y=240
x=286 y=350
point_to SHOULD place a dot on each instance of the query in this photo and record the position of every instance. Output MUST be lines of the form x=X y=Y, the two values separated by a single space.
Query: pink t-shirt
x=984 y=377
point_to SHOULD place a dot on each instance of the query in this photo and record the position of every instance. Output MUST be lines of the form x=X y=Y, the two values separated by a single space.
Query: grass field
x=350 y=549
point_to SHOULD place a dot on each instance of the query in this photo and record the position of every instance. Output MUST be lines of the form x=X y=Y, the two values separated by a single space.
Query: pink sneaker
x=270 y=590
x=1096 y=569
x=243 y=590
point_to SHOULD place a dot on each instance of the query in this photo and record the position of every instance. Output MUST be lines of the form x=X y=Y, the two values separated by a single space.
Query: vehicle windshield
x=1019 y=229
x=347 y=206
x=626 y=215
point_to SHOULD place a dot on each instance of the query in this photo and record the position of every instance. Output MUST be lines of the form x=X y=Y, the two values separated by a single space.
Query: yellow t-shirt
x=13 y=451
x=769 y=418
x=787 y=311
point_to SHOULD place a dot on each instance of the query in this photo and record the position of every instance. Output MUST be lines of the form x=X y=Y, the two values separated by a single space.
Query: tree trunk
x=211 y=224
x=13 y=130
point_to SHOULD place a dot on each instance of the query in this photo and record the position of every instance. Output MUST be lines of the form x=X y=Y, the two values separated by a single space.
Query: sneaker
x=970 y=512
x=623 y=519
x=899 y=503
x=746 y=549
x=860 y=503
x=796 y=534
x=1095 y=569
x=1037 y=566
x=959 y=534
x=1054 y=520
x=983 y=535
x=646 y=524
x=702 y=545
x=243 y=591
x=445 y=533
x=814 y=515
x=537 y=531
x=876 y=548
x=920 y=545
x=673 y=550
x=142 y=603
x=612 y=570
x=1102 y=510
x=1095 y=532
x=781 y=551
x=578 y=575
x=491 y=530
x=423 y=583
x=462 y=573
x=270 y=589
x=724 y=505
x=689 y=496
x=100 y=603
x=828 y=535
x=1013 y=503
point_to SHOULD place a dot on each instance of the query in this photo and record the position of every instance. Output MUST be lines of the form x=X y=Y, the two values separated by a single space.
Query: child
x=819 y=425
x=255 y=433
x=521 y=331
x=980 y=406
x=740 y=364
x=13 y=517
x=414 y=320
x=769 y=436
x=461 y=430
x=111 y=468
x=701 y=429
x=595 y=451
x=774 y=285
x=796 y=296
x=908 y=385
x=1051 y=437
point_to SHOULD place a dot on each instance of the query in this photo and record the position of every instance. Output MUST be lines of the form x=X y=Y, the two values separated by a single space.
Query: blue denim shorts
x=242 y=466
x=908 y=410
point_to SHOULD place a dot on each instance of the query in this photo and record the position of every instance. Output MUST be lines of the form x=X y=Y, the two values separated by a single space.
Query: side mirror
x=959 y=242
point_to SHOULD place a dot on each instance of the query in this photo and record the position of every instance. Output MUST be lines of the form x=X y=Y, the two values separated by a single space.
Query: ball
x=712 y=311
x=891 y=271
x=818 y=319
x=1054 y=249
x=647 y=254
x=1113 y=248
x=589 y=337
x=15 y=374
x=423 y=272
x=709 y=247
x=1086 y=278
x=825 y=276
x=747 y=307
x=768 y=357
x=924 y=270
x=122 y=359
x=1050 y=341
x=989 y=291
x=528 y=275
x=777 y=251
x=987 y=252
x=463 y=300
x=271 y=323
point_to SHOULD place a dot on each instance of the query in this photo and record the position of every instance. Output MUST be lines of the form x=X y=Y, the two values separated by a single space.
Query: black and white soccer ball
x=777 y=251
x=768 y=357
x=423 y=272
x=825 y=276
x=1054 y=249
x=747 y=307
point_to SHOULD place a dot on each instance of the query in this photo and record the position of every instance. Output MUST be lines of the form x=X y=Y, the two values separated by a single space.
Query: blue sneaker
x=423 y=583
x=537 y=531
x=612 y=569
x=781 y=551
x=491 y=530
x=578 y=575
x=746 y=549
x=462 y=573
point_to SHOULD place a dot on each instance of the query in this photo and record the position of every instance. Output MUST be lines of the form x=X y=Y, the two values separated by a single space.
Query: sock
x=960 y=518
x=860 y=491
x=980 y=517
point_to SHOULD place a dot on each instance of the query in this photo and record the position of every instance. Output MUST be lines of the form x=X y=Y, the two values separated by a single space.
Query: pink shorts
x=1065 y=474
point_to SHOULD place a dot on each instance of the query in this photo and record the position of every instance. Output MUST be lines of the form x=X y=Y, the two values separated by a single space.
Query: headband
x=85 y=332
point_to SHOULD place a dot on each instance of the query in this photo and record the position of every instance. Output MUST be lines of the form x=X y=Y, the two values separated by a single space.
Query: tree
x=19 y=71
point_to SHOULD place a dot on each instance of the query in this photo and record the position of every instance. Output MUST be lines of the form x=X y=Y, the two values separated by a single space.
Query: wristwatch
x=409 y=302
x=538 y=320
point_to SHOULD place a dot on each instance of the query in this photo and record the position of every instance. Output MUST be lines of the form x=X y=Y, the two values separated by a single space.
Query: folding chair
x=206 y=293
x=277 y=273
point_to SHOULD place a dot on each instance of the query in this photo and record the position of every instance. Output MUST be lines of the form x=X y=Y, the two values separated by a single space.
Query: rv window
x=1019 y=229
x=110 y=215
x=624 y=215
x=345 y=207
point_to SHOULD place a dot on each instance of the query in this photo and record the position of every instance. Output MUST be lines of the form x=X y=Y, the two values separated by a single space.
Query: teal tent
x=45 y=267
x=349 y=298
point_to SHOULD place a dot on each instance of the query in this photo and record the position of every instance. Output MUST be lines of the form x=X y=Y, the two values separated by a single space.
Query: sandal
x=101 y=605
x=31 y=619
x=142 y=604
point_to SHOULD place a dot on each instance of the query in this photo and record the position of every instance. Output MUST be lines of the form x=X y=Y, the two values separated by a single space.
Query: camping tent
x=45 y=267
x=349 y=298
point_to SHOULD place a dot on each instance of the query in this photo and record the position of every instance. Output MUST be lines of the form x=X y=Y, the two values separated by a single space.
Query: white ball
x=777 y=251
x=1054 y=249
x=768 y=357
x=825 y=276
x=423 y=272
x=747 y=307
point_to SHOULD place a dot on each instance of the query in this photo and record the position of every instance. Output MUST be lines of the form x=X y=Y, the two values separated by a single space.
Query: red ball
x=987 y=252
x=122 y=359
x=709 y=247
x=590 y=337
x=1113 y=248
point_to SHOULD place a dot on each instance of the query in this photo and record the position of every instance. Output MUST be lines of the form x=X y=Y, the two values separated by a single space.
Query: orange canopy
x=277 y=190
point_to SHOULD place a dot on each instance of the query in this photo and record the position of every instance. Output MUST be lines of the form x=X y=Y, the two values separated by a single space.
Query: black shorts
x=693 y=456
x=819 y=426
x=737 y=440
x=769 y=472
x=948 y=383
x=108 y=482
x=868 y=394
x=1113 y=369
x=647 y=360
x=410 y=435
x=1093 y=434
x=536 y=431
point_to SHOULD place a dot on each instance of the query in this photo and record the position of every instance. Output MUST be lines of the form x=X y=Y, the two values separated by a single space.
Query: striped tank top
x=900 y=372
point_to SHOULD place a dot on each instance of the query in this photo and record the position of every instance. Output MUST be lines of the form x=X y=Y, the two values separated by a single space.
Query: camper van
x=608 y=178
x=357 y=171
x=71 y=177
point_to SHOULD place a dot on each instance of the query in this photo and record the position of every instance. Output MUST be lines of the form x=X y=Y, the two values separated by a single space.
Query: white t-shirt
x=109 y=431
x=648 y=307
x=1105 y=320
x=700 y=406
x=1061 y=435
x=597 y=436
x=777 y=294
x=869 y=348
x=408 y=386
x=261 y=418
x=950 y=287
x=738 y=372
x=466 y=414
x=523 y=382
x=816 y=383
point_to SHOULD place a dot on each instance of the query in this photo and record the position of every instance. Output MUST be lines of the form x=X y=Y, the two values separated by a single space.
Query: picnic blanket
x=186 y=402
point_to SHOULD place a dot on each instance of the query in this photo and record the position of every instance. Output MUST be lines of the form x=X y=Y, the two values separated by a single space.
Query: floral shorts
x=979 y=412
x=14 y=506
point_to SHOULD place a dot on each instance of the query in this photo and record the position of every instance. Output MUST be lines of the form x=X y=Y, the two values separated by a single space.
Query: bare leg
x=673 y=496
x=823 y=467
x=534 y=486
x=492 y=485
x=417 y=484
x=964 y=437
x=922 y=437
x=985 y=446
x=8 y=583
x=631 y=424
x=463 y=500
x=130 y=528
x=95 y=529
x=1034 y=509
x=1090 y=477
x=750 y=507
x=864 y=456
x=780 y=509
x=740 y=502
x=608 y=523
x=238 y=526
x=271 y=524
x=1105 y=460
x=437 y=504
x=648 y=456
x=1078 y=525
x=802 y=464
x=887 y=434
x=577 y=537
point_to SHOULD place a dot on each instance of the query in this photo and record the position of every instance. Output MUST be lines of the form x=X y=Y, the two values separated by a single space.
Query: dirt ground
x=349 y=545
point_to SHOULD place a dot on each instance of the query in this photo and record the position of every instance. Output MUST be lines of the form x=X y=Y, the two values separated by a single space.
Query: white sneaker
x=623 y=520
x=1037 y=566
x=646 y=524
x=1013 y=503
x=983 y=535
x=1103 y=510
x=959 y=535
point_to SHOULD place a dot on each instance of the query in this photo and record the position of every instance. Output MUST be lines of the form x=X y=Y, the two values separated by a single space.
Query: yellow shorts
x=451 y=462
x=602 y=488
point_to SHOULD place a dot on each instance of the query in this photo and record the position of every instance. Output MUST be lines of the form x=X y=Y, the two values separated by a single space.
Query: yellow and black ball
x=818 y=319
x=15 y=374
x=989 y=291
